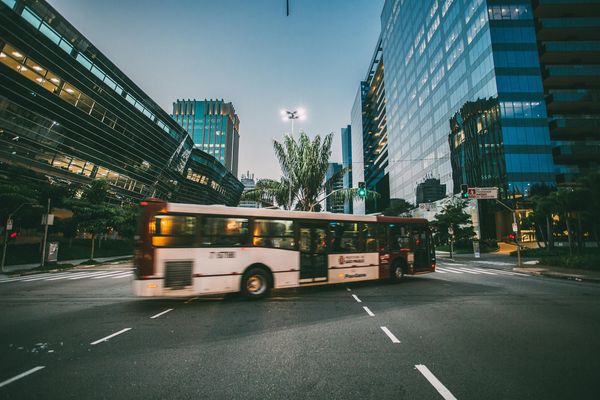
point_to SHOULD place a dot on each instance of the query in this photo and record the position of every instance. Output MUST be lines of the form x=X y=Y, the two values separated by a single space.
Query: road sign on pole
x=483 y=193
x=9 y=224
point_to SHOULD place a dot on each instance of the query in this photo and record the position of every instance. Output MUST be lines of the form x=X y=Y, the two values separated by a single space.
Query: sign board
x=52 y=253
x=49 y=217
x=9 y=224
x=515 y=227
x=483 y=193
x=476 y=251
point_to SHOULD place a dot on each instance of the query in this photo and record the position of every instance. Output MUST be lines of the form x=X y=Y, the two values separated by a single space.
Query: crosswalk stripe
x=44 y=276
x=447 y=270
x=72 y=274
x=107 y=275
x=89 y=275
x=454 y=264
x=437 y=269
x=494 y=263
x=463 y=270
x=479 y=270
x=122 y=276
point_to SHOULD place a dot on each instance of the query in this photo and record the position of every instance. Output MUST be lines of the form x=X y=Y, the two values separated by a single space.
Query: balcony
x=576 y=154
x=564 y=9
x=573 y=102
x=584 y=52
x=575 y=128
x=571 y=76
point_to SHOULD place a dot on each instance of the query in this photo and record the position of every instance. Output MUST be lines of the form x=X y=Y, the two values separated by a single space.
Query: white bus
x=190 y=250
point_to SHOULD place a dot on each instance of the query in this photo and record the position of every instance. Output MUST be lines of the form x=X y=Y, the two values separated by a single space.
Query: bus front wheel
x=255 y=283
x=397 y=272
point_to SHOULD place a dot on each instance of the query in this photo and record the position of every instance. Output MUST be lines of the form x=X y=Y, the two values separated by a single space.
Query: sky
x=247 y=52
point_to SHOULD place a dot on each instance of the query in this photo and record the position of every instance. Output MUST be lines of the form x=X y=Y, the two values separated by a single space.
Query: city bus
x=191 y=250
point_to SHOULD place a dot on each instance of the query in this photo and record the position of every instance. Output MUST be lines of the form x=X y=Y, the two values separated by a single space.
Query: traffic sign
x=515 y=227
x=483 y=193
x=9 y=224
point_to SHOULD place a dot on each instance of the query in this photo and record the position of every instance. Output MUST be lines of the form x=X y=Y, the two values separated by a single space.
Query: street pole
x=5 y=243
x=45 y=234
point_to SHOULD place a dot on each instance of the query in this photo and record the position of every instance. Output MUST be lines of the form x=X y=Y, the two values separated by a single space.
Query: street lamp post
x=292 y=115
x=6 y=234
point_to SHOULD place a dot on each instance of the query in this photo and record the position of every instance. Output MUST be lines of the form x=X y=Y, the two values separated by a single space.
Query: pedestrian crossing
x=454 y=268
x=69 y=276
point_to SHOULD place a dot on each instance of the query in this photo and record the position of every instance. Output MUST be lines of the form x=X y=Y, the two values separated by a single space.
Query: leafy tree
x=304 y=165
x=398 y=207
x=453 y=216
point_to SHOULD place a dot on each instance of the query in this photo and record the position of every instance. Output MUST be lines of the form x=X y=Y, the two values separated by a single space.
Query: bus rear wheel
x=255 y=283
x=397 y=272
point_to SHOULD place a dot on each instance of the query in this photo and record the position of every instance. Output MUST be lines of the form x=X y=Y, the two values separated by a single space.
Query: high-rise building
x=333 y=204
x=70 y=115
x=214 y=127
x=347 y=164
x=371 y=132
x=358 y=165
x=462 y=63
x=249 y=184
x=568 y=41
x=430 y=190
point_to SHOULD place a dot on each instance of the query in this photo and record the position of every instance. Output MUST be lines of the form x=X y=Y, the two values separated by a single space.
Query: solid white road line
x=104 y=339
x=356 y=298
x=390 y=335
x=24 y=374
x=161 y=313
x=439 y=386
x=444 y=270
x=369 y=312
x=462 y=270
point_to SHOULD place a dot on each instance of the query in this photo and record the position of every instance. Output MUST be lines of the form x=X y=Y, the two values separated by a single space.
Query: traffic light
x=464 y=191
x=362 y=192
x=12 y=236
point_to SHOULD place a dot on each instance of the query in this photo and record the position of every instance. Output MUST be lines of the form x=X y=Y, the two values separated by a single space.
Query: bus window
x=370 y=237
x=277 y=234
x=173 y=231
x=222 y=231
x=345 y=237
x=419 y=238
x=399 y=237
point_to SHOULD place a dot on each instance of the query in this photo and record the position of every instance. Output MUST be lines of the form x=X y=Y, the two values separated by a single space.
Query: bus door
x=313 y=252
x=420 y=242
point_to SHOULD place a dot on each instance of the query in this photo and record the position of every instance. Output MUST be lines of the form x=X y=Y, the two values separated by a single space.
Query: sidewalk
x=580 y=275
x=25 y=267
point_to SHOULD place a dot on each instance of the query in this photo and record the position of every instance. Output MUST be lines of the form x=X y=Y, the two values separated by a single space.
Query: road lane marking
x=356 y=298
x=24 y=374
x=393 y=338
x=190 y=300
x=126 y=274
x=369 y=311
x=444 y=270
x=462 y=270
x=348 y=289
x=45 y=276
x=89 y=275
x=104 y=339
x=161 y=313
x=107 y=275
x=437 y=269
x=495 y=263
x=480 y=271
x=454 y=264
x=439 y=386
x=67 y=276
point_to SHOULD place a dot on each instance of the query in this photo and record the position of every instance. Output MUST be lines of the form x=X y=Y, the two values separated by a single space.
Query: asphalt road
x=470 y=331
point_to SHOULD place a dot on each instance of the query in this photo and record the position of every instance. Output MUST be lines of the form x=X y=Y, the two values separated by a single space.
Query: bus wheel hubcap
x=256 y=284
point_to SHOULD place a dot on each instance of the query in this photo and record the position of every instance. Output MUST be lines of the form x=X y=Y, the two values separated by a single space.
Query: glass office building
x=332 y=204
x=347 y=163
x=358 y=165
x=453 y=70
x=214 y=127
x=68 y=113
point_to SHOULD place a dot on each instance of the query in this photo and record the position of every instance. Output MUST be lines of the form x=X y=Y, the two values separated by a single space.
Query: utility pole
x=45 y=234
x=6 y=234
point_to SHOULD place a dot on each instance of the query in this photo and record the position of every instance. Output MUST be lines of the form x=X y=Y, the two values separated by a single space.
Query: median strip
x=392 y=337
x=24 y=374
x=439 y=386
x=161 y=313
x=104 y=339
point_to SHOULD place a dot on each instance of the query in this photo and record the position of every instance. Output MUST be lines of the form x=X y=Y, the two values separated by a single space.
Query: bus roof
x=274 y=213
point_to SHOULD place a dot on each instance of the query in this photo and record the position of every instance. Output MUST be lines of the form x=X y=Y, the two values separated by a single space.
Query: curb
x=558 y=275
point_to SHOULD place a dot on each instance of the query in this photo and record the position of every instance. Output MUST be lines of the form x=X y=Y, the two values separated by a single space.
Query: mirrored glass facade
x=68 y=112
x=444 y=57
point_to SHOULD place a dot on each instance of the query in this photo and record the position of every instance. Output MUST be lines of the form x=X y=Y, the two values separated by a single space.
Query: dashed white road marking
x=161 y=313
x=435 y=382
x=104 y=339
x=369 y=311
x=356 y=298
x=24 y=374
x=392 y=337
x=348 y=289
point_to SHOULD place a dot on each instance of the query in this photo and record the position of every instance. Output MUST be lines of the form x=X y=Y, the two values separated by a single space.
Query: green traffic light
x=362 y=192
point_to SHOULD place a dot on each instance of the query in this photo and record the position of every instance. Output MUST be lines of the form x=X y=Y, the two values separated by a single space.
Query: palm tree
x=304 y=165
